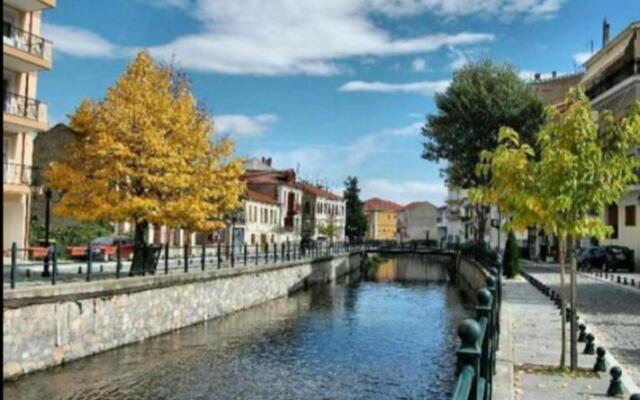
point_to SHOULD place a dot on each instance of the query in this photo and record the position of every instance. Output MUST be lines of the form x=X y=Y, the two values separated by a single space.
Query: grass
x=557 y=371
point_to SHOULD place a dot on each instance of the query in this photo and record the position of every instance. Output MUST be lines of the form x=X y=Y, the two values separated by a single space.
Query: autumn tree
x=482 y=98
x=330 y=230
x=356 y=220
x=579 y=167
x=145 y=154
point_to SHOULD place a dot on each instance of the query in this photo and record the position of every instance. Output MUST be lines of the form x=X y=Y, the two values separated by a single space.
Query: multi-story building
x=261 y=222
x=418 y=221
x=319 y=208
x=24 y=55
x=382 y=219
x=281 y=187
x=612 y=82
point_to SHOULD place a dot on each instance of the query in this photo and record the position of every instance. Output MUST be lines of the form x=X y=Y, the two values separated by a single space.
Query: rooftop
x=318 y=191
x=378 y=204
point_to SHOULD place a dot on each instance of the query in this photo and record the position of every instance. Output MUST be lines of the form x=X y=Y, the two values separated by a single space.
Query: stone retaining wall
x=470 y=276
x=47 y=326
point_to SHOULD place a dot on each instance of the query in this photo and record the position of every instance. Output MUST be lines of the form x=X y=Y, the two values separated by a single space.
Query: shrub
x=511 y=259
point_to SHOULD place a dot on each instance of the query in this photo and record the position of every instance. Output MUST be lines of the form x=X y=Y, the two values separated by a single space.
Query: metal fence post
x=204 y=254
x=288 y=251
x=468 y=355
x=219 y=256
x=166 y=258
x=245 y=255
x=186 y=257
x=275 y=253
x=282 y=251
x=257 y=254
x=54 y=266
x=14 y=250
x=89 y=262
x=232 y=252
x=118 y=259
x=266 y=253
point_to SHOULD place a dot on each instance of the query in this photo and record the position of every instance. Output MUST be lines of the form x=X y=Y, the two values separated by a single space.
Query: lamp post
x=47 y=223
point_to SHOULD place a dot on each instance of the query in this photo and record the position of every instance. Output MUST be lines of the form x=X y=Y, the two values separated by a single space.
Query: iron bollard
x=600 y=366
x=589 y=348
x=219 y=256
x=14 y=250
x=118 y=259
x=257 y=254
x=618 y=278
x=615 y=385
x=166 y=258
x=203 y=260
x=282 y=251
x=80 y=270
x=28 y=273
x=625 y=281
x=185 y=255
x=89 y=262
x=582 y=335
x=275 y=253
x=232 y=252
x=635 y=396
x=245 y=255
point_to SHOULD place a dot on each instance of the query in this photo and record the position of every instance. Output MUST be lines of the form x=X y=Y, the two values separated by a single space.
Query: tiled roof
x=384 y=205
x=318 y=192
x=259 y=197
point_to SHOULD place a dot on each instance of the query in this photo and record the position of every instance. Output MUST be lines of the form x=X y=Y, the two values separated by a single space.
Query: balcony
x=16 y=177
x=22 y=113
x=30 y=5
x=23 y=51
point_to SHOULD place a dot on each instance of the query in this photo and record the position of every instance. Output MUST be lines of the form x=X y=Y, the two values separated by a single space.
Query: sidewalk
x=530 y=341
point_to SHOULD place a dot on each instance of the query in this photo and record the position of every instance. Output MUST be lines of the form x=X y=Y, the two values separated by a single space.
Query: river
x=389 y=335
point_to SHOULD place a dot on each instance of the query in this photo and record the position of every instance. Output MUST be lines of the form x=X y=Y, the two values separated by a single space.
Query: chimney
x=605 y=32
x=553 y=74
x=536 y=76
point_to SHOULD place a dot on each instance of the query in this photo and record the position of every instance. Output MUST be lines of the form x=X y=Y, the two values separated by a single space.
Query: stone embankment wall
x=47 y=326
x=470 y=276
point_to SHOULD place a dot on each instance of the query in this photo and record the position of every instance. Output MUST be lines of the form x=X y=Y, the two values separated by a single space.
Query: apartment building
x=25 y=54
x=612 y=82
x=382 y=219
x=418 y=221
x=261 y=220
x=319 y=208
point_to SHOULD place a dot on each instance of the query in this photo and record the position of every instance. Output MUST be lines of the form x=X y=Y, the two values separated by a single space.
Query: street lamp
x=47 y=223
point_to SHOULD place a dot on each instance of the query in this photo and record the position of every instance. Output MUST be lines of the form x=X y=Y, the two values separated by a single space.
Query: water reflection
x=409 y=268
x=351 y=340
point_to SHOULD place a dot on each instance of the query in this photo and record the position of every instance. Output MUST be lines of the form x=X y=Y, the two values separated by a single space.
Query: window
x=630 y=215
x=612 y=219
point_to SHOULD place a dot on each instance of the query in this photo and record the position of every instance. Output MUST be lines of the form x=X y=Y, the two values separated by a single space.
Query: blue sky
x=332 y=87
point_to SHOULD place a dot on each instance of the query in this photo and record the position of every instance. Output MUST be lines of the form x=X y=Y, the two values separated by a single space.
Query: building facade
x=319 y=208
x=418 y=221
x=612 y=82
x=382 y=219
x=24 y=55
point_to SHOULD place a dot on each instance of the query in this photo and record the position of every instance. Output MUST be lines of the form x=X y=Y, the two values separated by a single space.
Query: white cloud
x=419 y=65
x=404 y=192
x=460 y=59
x=243 y=125
x=416 y=115
x=582 y=57
x=422 y=87
x=505 y=9
x=79 y=42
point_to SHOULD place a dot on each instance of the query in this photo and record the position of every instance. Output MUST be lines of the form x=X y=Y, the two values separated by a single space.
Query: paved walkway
x=611 y=310
x=530 y=339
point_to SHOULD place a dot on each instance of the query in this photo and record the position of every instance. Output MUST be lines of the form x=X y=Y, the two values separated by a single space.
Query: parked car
x=605 y=257
x=618 y=257
x=105 y=248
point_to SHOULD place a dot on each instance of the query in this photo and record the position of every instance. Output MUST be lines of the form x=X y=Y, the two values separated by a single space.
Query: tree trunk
x=481 y=211
x=574 y=308
x=563 y=311
x=139 y=252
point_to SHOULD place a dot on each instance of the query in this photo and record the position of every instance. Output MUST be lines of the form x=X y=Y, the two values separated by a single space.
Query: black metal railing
x=26 y=41
x=93 y=261
x=26 y=107
x=479 y=342
x=17 y=173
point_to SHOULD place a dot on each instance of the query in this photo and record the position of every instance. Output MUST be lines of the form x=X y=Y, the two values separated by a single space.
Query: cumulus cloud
x=243 y=125
x=426 y=88
x=419 y=65
x=79 y=42
x=404 y=192
x=582 y=57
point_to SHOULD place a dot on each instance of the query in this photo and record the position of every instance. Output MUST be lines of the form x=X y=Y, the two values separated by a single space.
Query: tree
x=144 y=154
x=330 y=230
x=482 y=98
x=356 y=220
x=511 y=257
x=578 y=168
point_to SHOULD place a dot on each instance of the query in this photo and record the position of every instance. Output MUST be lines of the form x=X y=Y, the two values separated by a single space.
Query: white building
x=321 y=207
x=418 y=221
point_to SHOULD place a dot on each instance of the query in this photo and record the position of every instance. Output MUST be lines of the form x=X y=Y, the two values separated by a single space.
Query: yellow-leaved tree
x=144 y=154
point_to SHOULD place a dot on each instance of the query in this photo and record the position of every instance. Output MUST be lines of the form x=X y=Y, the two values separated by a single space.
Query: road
x=611 y=310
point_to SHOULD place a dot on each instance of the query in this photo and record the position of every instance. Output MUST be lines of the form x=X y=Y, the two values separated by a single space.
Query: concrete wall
x=471 y=276
x=47 y=326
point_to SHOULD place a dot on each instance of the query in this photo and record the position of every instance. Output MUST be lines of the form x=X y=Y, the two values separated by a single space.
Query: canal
x=388 y=335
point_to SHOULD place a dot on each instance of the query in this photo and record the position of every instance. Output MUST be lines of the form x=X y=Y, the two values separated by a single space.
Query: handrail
x=479 y=341
x=27 y=107
x=27 y=42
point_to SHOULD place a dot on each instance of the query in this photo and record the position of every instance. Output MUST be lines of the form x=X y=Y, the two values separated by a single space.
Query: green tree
x=482 y=98
x=330 y=230
x=578 y=168
x=356 y=220
x=511 y=257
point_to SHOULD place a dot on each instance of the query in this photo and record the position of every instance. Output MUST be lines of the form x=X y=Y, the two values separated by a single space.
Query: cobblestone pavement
x=534 y=330
x=611 y=310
